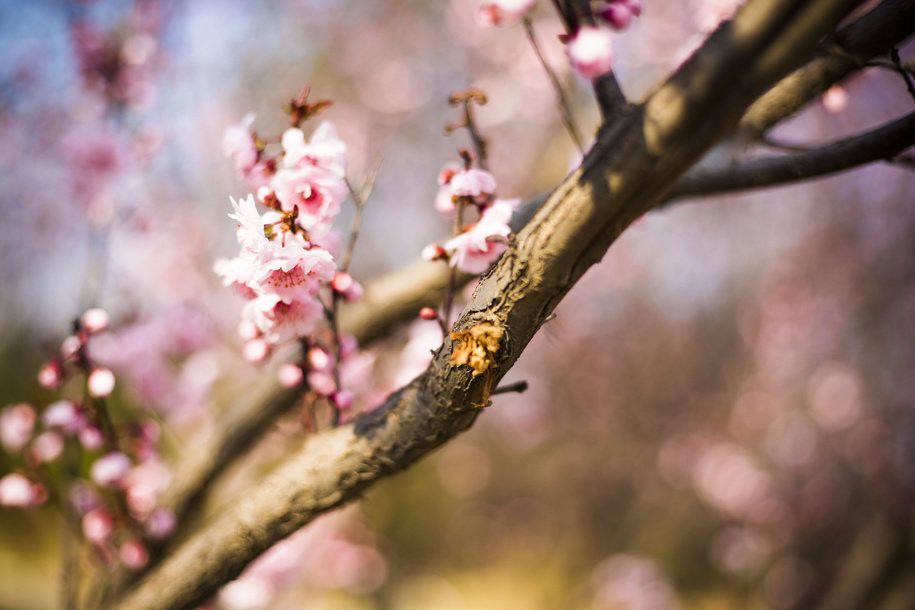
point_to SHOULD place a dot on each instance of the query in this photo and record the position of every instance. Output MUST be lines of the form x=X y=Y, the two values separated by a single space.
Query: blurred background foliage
x=721 y=414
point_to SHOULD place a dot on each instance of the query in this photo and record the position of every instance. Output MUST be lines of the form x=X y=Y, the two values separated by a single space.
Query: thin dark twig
x=771 y=142
x=564 y=109
x=519 y=387
x=909 y=84
x=452 y=275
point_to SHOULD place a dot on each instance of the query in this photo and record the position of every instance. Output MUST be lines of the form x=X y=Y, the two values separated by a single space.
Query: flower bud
x=95 y=320
x=101 y=382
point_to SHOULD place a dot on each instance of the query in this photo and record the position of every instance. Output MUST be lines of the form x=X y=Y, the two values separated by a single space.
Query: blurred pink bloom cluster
x=479 y=244
x=110 y=476
x=336 y=552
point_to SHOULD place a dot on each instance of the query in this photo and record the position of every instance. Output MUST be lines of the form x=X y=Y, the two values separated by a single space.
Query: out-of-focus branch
x=875 y=33
x=633 y=164
x=880 y=144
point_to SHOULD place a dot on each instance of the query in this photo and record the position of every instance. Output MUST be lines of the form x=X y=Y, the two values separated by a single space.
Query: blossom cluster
x=285 y=256
x=479 y=244
x=70 y=450
x=286 y=269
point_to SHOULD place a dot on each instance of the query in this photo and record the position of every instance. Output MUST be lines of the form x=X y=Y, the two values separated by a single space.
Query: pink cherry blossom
x=133 y=554
x=343 y=399
x=256 y=351
x=91 y=438
x=477 y=248
x=63 y=415
x=591 y=52
x=280 y=320
x=503 y=12
x=620 y=13
x=238 y=145
x=98 y=525
x=344 y=285
x=319 y=359
x=47 y=446
x=95 y=320
x=476 y=183
x=314 y=192
x=16 y=490
x=51 y=375
x=325 y=149
x=143 y=485
x=161 y=523
x=70 y=347
x=16 y=425
x=322 y=383
x=100 y=382
x=290 y=375
x=110 y=469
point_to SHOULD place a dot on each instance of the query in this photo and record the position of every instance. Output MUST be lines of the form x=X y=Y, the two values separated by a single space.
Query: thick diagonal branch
x=627 y=172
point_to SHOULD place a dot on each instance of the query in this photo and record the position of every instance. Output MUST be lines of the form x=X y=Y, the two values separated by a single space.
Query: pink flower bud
x=835 y=99
x=101 y=382
x=256 y=351
x=502 y=12
x=290 y=375
x=16 y=490
x=266 y=196
x=63 y=415
x=70 y=347
x=110 y=469
x=51 y=375
x=95 y=320
x=91 y=438
x=47 y=446
x=133 y=554
x=428 y=313
x=16 y=425
x=343 y=399
x=161 y=523
x=434 y=252
x=322 y=383
x=591 y=52
x=344 y=284
x=318 y=359
x=247 y=330
x=97 y=524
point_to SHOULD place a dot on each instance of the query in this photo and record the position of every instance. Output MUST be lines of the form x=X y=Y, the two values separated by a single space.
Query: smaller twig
x=467 y=98
x=359 y=199
x=564 y=108
x=897 y=63
x=519 y=386
x=452 y=275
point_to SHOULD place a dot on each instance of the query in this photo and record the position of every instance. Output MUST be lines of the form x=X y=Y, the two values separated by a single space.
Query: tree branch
x=875 y=33
x=880 y=144
x=628 y=171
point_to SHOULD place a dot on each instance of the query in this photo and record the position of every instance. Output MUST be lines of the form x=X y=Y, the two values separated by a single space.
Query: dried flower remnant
x=476 y=347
